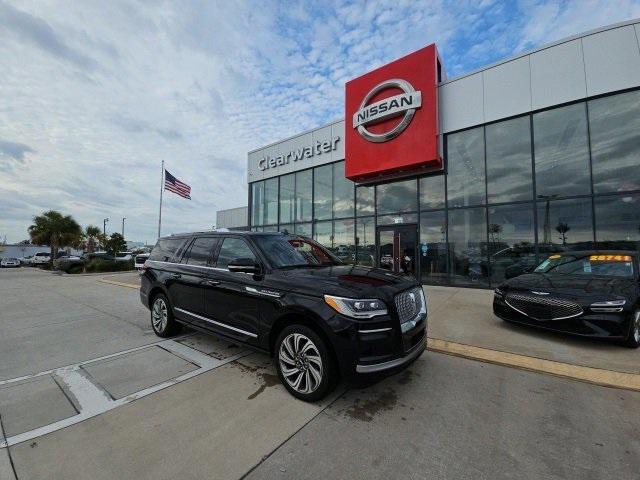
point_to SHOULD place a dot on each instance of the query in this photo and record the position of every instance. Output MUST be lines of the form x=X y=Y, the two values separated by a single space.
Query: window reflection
x=365 y=201
x=397 y=197
x=432 y=249
x=398 y=219
x=271 y=201
x=323 y=233
x=465 y=168
x=344 y=241
x=303 y=229
x=287 y=198
x=565 y=225
x=304 y=187
x=511 y=241
x=615 y=142
x=322 y=192
x=257 y=203
x=432 y=192
x=365 y=241
x=468 y=246
x=509 y=177
x=562 y=151
x=342 y=193
x=618 y=222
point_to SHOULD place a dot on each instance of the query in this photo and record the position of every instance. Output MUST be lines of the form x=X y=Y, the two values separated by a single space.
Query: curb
x=596 y=376
x=120 y=284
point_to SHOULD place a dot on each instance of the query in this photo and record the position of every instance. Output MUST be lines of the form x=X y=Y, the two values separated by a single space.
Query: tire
x=305 y=365
x=634 y=332
x=162 y=320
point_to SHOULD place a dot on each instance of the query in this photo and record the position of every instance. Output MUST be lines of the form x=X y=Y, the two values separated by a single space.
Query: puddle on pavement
x=263 y=378
x=365 y=410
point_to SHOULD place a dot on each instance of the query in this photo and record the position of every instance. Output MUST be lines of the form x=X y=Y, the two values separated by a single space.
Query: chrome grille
x=409 y=304
x=543 y=307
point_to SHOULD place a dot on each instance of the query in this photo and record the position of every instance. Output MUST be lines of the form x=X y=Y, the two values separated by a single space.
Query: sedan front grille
x=543 y=307
x=409 y=304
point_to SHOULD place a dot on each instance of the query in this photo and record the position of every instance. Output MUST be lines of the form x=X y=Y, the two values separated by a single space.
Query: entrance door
x=397 y=248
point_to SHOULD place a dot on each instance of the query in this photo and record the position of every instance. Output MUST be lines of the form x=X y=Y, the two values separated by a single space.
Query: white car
x=9 y=262
x=28 y=260
x=41 y=258
x=124 y=257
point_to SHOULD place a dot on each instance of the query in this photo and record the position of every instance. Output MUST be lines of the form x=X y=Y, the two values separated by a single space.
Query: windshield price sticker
x=610 y=258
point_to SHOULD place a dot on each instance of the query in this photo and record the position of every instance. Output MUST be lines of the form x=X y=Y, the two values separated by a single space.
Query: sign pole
x=161 y=190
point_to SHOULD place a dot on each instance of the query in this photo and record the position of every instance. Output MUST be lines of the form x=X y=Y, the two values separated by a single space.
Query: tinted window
x=287 y=198
x=323 y=192
x=304 y=186
x=271 y=201
x=615 y=142
x=365 y=241
x=467 y=244
x=511 y=241
x=257 y=203
x=565 y=225
x=343 y=240
x=561 y=149
x=294 y=251
x=165 y=249
x=618 y=222
x=323 y=233
x=509 y=161
x=342 y=192
x=364 y=201
x=200 y=251
x=397 y=197
x=601 y=265
x=433 y=247
x=232 y=249
x=465 y=164
x=303 y=229
x=432 y=192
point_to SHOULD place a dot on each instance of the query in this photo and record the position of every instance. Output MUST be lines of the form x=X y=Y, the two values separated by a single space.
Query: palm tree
x=56 y=230
x=92 y=235
x=562 y=229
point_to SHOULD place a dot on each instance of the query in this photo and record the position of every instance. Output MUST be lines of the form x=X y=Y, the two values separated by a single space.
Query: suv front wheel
x=162 y=321
x=305 y=365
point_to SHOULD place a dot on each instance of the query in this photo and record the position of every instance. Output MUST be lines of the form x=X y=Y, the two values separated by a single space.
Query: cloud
x=14 y=150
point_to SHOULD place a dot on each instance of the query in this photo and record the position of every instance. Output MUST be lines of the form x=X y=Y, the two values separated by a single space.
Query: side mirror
x=245 y=265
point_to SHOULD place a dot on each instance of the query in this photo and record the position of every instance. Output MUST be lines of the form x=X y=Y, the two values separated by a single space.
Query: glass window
x=509 y=177
x=465 y=167
x=511 y=241
x=342 y=192
x=304 y=188
x=271 y=201
x=257 y=203
x=364 y=201
x=303 y=229
x=467 y=246
x=285 y=252
x=322 y=192
x=561 y=149
x=164 y=249
x=323 y=234
x=432 y=192
x=397 y=197
x=270 y=228
x=232 y=249
x=200 y=251
x=365 y=241
x=433 y=247
x=286 y=226
x=287 y=198
x=565 y=225
x=615 y=142
x=398 y=218
x=618 y=222
x=343 y=238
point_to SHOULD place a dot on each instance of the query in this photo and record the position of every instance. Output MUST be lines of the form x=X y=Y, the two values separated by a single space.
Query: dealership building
x=469 y=180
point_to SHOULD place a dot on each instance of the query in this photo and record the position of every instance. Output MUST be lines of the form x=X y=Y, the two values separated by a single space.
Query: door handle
x=176 y=275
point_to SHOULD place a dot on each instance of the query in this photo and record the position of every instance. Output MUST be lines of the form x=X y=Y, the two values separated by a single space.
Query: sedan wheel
x=634 y=334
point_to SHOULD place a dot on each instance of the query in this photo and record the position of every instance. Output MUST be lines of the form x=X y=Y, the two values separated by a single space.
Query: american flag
x=174 y=185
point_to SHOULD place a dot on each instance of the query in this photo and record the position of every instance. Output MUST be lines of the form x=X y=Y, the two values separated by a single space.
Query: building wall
x=232 y=218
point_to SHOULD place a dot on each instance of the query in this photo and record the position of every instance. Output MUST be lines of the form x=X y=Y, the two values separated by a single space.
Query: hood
x=590 y=289
x=350 y=281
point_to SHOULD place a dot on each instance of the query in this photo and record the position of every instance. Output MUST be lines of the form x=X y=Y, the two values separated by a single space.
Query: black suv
x=290 y=297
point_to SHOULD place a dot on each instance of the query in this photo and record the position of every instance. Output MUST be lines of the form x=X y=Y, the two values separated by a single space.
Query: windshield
x=600 y=265
x=289 y=251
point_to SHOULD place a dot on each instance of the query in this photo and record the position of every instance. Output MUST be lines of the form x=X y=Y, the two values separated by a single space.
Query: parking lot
x=88 y=391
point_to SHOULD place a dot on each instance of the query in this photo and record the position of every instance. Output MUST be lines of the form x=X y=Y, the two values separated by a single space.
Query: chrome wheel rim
x=300 y=363
x=159 y=315
x=636 y=327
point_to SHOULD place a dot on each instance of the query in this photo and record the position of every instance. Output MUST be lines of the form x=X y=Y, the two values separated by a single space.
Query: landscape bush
x=100 y=265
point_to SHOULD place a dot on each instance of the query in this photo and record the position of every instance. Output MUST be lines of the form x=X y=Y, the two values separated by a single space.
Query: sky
x=94 y=95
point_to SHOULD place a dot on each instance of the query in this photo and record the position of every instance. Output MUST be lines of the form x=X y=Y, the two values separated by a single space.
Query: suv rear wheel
x=162 y=321
x=305 y=365
x=634 y=333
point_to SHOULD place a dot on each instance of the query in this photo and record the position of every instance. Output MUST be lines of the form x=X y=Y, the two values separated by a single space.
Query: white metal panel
x=507 y=89
x=557 y=75
x=612 y=60
x=637 y=27
x=321 y=135
x=253 y=172
x=461 y=103
x=294 y=145
x=337 y=130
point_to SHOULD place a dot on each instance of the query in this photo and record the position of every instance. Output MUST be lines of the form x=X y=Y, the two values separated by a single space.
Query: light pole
x=123 y=219
x=104 y=226
x=547 y=227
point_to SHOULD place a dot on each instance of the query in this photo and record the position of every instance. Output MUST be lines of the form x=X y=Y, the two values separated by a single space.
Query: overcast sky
x=94 y=94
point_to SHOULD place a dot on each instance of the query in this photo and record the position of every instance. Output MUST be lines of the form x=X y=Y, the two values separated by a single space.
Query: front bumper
x=589 y=324
x=393 y=364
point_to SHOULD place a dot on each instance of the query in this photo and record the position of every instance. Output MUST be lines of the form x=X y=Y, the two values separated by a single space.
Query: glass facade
x=512 y=192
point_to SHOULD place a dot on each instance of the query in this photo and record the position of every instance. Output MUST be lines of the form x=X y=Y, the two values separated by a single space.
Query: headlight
x=498 y=292
x=356 y=307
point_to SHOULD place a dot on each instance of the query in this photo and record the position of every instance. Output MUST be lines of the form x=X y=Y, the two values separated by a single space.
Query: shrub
x=100 y=265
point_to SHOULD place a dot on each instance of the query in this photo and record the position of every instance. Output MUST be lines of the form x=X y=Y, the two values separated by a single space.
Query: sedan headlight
x=356 y=307
x=499 y=292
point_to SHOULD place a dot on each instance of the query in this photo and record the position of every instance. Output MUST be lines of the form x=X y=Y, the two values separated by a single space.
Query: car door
x=188 y=277
x=230 y=308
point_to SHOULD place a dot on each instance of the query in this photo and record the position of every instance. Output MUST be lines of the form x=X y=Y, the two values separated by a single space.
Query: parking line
x=120 y=284
x=597 y=376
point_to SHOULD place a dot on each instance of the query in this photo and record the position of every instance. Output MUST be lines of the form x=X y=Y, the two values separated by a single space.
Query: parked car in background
x=123 y=257
x=288 y=296
x=140 y=259
x=9 y=263
x=69 y=263
x=591 y=293
x=41 y=258
x=26 y=261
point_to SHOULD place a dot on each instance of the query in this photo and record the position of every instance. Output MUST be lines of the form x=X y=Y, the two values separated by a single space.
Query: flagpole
x=161 y=190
